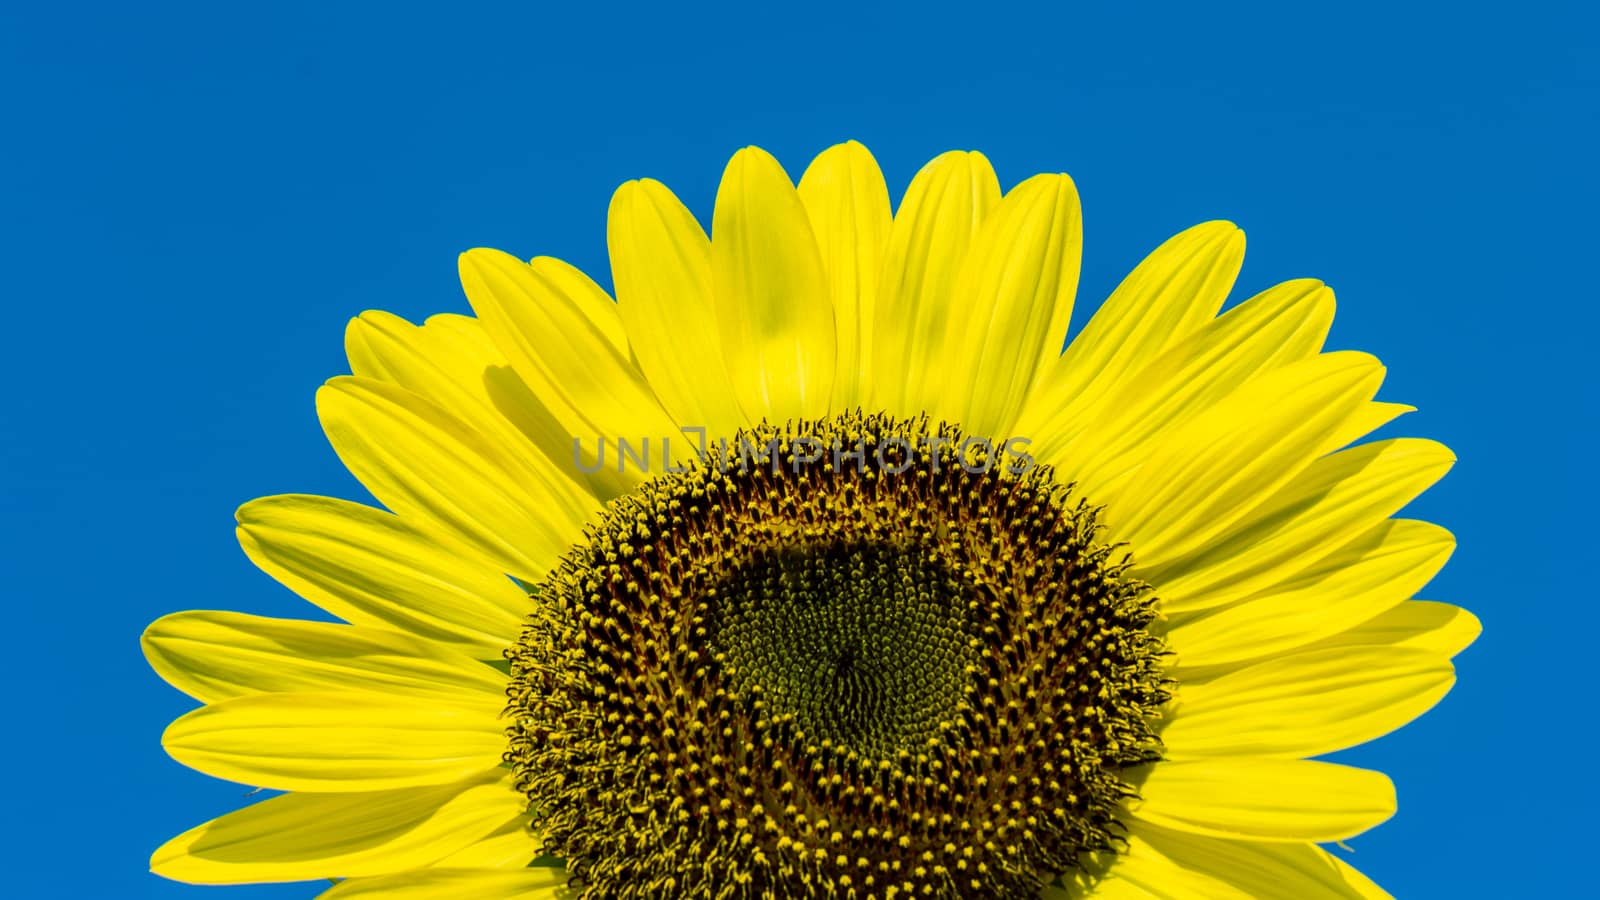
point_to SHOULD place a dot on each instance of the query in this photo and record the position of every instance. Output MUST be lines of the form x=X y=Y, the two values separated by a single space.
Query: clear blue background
x=196 y=200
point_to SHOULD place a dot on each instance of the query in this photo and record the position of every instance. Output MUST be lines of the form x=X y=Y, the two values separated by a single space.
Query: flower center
x=856 y=645
x=865 y=660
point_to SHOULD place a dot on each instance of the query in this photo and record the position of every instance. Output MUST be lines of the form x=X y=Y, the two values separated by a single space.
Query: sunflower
x=812 y=566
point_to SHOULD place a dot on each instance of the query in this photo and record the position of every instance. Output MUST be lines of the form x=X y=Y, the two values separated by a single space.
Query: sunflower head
x=941 y=610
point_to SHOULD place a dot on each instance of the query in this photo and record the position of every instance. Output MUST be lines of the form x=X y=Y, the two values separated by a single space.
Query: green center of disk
x=862 y=646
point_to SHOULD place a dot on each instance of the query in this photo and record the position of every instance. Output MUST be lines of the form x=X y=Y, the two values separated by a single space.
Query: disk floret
x=898 y=667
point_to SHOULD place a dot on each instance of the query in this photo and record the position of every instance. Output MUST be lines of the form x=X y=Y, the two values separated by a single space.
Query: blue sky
x=199 y=197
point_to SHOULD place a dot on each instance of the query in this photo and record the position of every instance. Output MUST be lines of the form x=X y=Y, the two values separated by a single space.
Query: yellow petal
x=318 y=741
x=1306 y=704
x=1138 y=871
x=1281 y=325
x=1253 y=869
x=661 y=263
x=548 y=420
x=424 y=361
x=551 y=319
x=928 y=241
x=1359 y=883
x=1211 y=472
x=452 y=361
x=1176 y=289
x=1265 y=799
x=1367 y=419
x=448 y=480
x=564 y=337
x=773 y=309
x=511 y=846
x=214 y=656
x=298 y=837
x=456 y=884
x=1012 y=301
x=1334 y=501
x=1437 y=628
x=369 y=568
x=1378 y=570
x=848 y=205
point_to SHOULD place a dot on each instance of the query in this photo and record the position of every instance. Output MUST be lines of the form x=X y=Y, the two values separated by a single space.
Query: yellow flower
x=813 y=567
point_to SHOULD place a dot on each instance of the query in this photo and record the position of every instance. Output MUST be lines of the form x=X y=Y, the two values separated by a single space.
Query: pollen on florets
x=900 y=676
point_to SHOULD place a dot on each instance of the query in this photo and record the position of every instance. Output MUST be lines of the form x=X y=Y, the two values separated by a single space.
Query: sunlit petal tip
x=971 y=165
x=1223 y=241
x=368 y=335
x=842 y=157
x=846 y=156
x=1468 y=629
x=358 y=326
x=1060 y=192
x=621 y=197
x=153 y=634
x=1222 y=232
x=750 y=154
x=1437 y=453
x=470 y=260
x=1442 y=629
x=476 y=266
x=448 y=320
